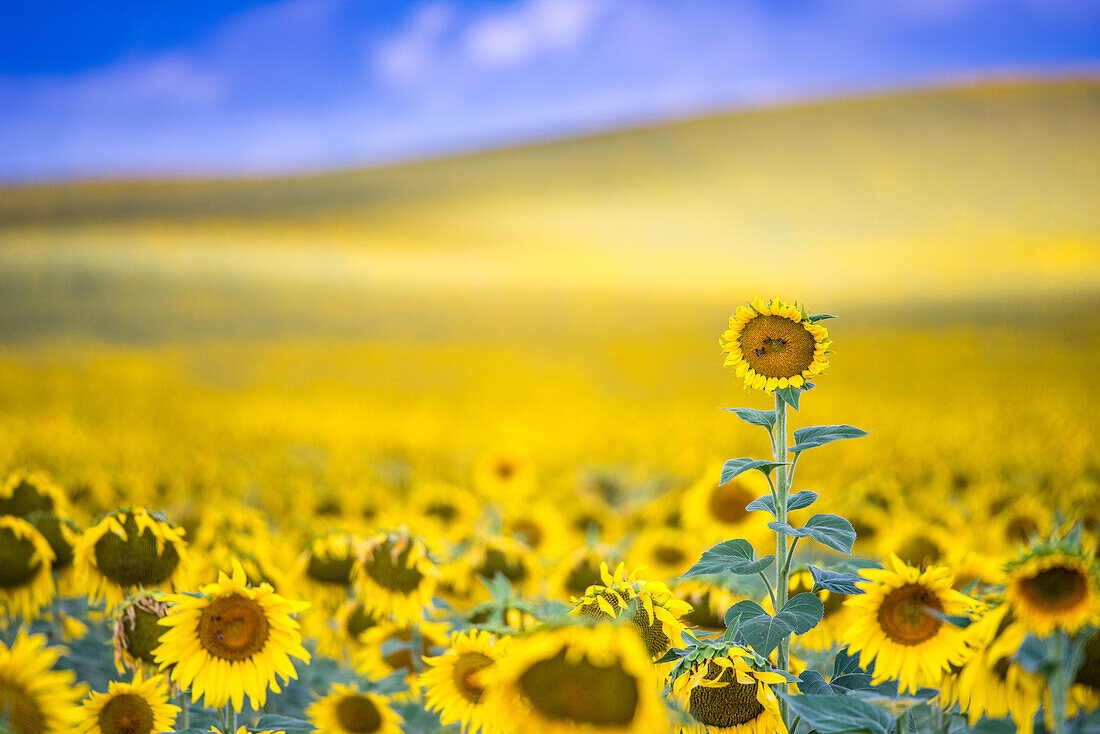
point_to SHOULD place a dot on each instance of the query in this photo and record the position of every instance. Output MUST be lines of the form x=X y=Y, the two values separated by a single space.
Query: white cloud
x=413 y=50
x=512 y=36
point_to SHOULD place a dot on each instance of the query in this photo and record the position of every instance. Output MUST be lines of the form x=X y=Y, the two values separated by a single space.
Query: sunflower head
x=348 y=710
x=775 y=345
x=138 y=707
x=60 y=532
x=137 y=630
x=709 y=601
x=1054 y=586
x=724 y=688
x=453 y=683
x=24 y=492
x=36 y=698
x=649 y=605
x=576 y=678
x=26 y=583
x=394 y=575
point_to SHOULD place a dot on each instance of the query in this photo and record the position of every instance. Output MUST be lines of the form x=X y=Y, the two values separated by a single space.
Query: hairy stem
x=782 y=567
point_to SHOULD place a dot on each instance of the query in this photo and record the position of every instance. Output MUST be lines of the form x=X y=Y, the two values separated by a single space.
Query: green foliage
x=763 y=632
x=831 y=530
x=288 y=724
x=835 y=581
x=733 y=467
x=814 y=436
x=795 y=501
x=755 y=417
x=730 y=555
x=831 y=714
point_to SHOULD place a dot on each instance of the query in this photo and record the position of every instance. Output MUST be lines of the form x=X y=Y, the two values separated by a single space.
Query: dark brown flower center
x=233 y=627
x=905 y=617
x=388 y=567
x=496 y=562
x=724 y=706
x=16 y=565
x=668 y=555
x=25 y=499
x=505 y=470
x=580 y=692
x=444 y=511
x=135 y=561
x=777 y=347
x=21 y=710
x=331 y=570
x=401 y=658
x=529 y=531
x=359 y=621
x=465 y=673
x=919 y=551
x=126 y=714
x=50 y=527
x=1056 y=589
x=358 y=714
x=727 y=502
x=581 y=576
x=701 y=615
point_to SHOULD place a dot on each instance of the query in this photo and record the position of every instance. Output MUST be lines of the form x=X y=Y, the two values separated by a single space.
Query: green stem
x=1059 y=687
x=771 y=591
x=185 y=711
x=230 y=719
x=782 y=566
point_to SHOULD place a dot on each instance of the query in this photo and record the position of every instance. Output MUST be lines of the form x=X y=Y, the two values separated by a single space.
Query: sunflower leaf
x=284 y=723
x=802 y=612
x=787 y=529
x=733 y=467
x=815 y=317
x=730 y=555
x=767 y=502
x=836 y=582
x=799 y=500
x=833 y=531
x=814 y=436
x=829 y=714
x=813 y=683
x=764 y=418
x=789 y=395
x=673 y=654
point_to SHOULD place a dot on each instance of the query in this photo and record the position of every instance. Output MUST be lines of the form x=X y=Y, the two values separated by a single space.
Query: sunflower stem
x=185 y=711
x=1058 y=684
x=230 y=719
x=782 y=565
x=771 y=591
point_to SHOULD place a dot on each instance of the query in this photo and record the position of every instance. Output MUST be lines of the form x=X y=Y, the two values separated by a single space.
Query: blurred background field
x=564 y=301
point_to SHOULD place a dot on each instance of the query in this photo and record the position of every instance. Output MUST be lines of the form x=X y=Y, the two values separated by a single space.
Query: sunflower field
x=366 y=471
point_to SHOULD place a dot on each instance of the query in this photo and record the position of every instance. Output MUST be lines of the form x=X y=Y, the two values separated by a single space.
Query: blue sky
x=190 y=87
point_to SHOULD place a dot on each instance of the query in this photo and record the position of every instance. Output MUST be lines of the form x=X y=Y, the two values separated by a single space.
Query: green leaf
x=827 y=714
x=836 y=582
x=813 y=683
x=815 y=317
x=673 y=654
x=799 y=500
x=802 y=612
x=789 y=395
x=788 y=529
x=767 y=502
x=764 y=418
x=730 y=555
x=763 y=632
x=993 y=726
x=284 y=723
x=733 y=467
x=741 y=609
x=814 y=436
x=833 y=531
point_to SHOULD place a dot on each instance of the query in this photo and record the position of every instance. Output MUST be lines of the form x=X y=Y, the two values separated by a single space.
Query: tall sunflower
x=126 y=549
x=26 y=581
x=138 y=707
x=347 y=710
x=899 y=623
x=36 y=698
x=723 y=691
x=452 y=683
x=649 y=605
x=394 y=576
x=774 y=345
x=568 y=680
x=231 y=641
x=1054 y=587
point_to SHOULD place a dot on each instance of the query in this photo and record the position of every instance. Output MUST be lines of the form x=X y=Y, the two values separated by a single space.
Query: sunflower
x=899 y=623
x=580 y=569
x=26 y=581
x=394 y=576
x=24 y=492
x=1084 y=691
x=917 y=542
x=485 y=558
x=137 y=631
x=443 y=510
x=138 y=707
x=709 y=601
x=985 y=681
x=504 y=477
x=1053 y=588
x=231 y=641
x=341 y=637
x=244 y=730
x=392 y=647
x=539 y=525
x=665 y=552
x=723 y=691
x=713 y=510
x=452 y=685
x=35 y=698
x=127 y=549
x=327 y=566
x=566 y=680
x=650 y=606
x=773 y=345
x=347 y=710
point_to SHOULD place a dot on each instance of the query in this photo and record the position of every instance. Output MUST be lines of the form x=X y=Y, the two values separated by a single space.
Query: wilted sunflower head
x=347 y=710
x=26 y=582
x=394 y=575
x=1054 y=586
x=138 y=707
x=725 y=689
x=453 y=683
x=773 y=345
x=24 y=492
x=126 y=549
x=576 y=678
x=901 y=621
x=35 y=698
x=649 y=605
x=137 y=630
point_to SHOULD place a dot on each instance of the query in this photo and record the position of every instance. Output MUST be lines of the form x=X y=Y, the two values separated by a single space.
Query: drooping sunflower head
x=452 y=684
x=709 y=601
x=61 y=533
x=1054 y=587
x=347 y=710
x=138 y=707
x=327 y=566
x=137 y=630
x=24 y=492
x=900 y=623
x=394 y=575
x=26 y=582
x=576 y=678
x=231 y=624
x=775 y=345
x=649 y=605
x=126 y=549
x=35 y=698
x=725 y=690
x=486 y=557
x=391 y=647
